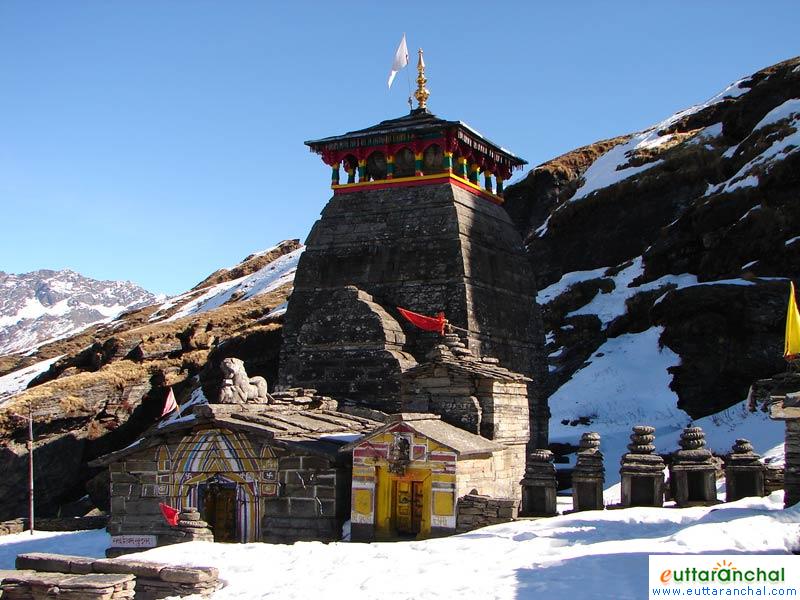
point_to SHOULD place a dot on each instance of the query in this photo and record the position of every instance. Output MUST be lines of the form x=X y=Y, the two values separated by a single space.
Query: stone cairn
x=190 y=528
x=642 y=472
x=588 y=475
x=539 y=486
x=744 y=472
x=693 y=480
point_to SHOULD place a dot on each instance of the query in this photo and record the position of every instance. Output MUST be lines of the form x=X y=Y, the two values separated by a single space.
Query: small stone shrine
x=693 y=472
x=256 y=472
x=744 y=472
x=588 y=476
x=409 y=474
x=539 y=486
x=474 y=394
x=642 y=472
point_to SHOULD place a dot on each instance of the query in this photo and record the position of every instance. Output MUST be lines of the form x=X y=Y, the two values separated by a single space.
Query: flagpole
x=30 y=465
x=408 y=78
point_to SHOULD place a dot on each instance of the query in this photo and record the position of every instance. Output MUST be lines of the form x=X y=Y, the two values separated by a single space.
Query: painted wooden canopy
x=416 y=149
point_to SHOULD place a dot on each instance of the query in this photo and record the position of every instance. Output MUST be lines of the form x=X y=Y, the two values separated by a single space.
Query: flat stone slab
x=54 y=563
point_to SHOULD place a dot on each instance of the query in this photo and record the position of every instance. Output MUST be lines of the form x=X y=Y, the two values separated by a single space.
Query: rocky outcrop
x=691 y=226
x=112 y=381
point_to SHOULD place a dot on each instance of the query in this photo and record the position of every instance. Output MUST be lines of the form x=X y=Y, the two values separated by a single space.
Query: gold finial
x=422 y=94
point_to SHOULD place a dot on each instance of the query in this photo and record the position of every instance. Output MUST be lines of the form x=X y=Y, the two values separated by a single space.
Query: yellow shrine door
x=408 y=499
x=219 y=511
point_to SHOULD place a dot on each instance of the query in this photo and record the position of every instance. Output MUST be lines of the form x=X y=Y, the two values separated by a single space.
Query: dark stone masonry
x=428 y=249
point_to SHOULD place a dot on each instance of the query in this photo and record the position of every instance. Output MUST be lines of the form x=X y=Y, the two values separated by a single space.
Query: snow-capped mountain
x=43 y=305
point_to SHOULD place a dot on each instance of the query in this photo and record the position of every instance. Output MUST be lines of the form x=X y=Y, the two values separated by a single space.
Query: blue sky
x=160 y=140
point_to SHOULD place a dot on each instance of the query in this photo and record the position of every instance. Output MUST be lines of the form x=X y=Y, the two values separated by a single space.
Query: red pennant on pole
x=169 y=405
x=170 y=514
x=436 y=323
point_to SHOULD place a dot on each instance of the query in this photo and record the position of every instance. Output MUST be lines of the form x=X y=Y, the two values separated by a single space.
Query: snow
x=595 y=555
x=788 y=110
x=548 y=294
x=278 y=311
x=81 y=543
x=626 y=383
x=778 y=149
x=16 y=381
x=272 y=276
x=752 y=210
x=791 y=240
x=707 y=133
x=610 y=169
x=610 y=305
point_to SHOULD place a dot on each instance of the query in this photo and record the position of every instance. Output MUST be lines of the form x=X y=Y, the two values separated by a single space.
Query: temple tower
x=417 y=221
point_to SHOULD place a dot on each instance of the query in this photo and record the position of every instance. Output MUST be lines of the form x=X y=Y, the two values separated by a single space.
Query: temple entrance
x=218 y=509
x=403 y=504
x=408 y=503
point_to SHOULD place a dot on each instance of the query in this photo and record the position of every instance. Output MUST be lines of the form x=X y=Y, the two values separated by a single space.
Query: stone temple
x=417 y=223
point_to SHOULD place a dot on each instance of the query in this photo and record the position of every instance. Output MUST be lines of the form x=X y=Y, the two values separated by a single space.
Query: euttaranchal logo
x=724 y=571
x=723 y=575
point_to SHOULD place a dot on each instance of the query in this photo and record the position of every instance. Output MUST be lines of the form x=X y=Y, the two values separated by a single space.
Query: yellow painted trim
x=395 y=180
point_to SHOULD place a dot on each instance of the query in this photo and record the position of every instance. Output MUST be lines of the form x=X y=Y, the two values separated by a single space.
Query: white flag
x=400 y=59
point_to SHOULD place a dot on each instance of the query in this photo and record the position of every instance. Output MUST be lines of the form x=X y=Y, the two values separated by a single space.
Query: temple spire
x=422 y=94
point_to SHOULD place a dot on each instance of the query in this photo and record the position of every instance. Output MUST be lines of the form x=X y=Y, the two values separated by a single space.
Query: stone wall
x=476 y=511
x=429 y=248
x=313 y=503
x=498 y=477
x=791 y=473
x=350 y=347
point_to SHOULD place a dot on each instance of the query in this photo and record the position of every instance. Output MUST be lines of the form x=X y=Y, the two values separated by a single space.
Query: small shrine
x=539 y=486
x=693 y=471
x=475 y=394
x=255 y=472
x=588 y=476
x=744 y=472
x=642 y=471
x=409 y=474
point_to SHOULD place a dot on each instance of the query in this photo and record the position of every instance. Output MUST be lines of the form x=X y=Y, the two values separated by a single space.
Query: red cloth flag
x=436 y=323
x=170 y=404
x=170 y=514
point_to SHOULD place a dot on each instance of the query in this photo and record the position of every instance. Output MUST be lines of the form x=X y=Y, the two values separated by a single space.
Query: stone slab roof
x=473 y=367
x=463 y=443
x=418 y=122
x=317 y=430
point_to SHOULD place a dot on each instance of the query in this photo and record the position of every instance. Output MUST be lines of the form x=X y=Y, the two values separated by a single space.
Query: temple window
x=376 y=166
x=432 y=159
x=404 y=163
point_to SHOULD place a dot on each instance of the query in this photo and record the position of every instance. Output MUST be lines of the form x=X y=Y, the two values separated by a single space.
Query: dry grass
x=249 y=265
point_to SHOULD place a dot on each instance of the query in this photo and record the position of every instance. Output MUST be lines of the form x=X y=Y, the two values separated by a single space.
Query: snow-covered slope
x=43 y=305
x=592 y=555
x=663 y=259
x=270 y=277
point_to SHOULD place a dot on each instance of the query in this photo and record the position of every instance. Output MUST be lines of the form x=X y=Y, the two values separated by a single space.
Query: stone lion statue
x=237 y=387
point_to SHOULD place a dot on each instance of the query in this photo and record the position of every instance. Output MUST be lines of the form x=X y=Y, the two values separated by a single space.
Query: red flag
x=436 y=323
x=170 y=514
x=169 y=405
